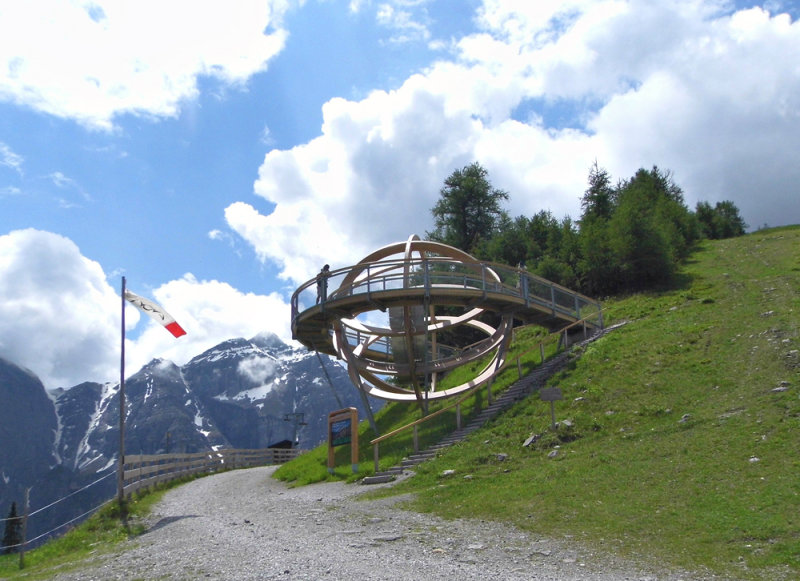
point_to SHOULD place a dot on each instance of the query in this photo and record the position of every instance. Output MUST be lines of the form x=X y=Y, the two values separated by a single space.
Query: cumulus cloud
x=210 y=312
x=92 y=61
x=60 y=318
x=695 y=87
x=257 y=369
x=363 y=180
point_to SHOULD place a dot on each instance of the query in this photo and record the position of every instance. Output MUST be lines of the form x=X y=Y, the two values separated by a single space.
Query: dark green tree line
x=631 y=235
x=721 y=221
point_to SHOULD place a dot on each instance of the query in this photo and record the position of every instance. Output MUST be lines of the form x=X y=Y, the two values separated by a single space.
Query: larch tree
x=469 y=209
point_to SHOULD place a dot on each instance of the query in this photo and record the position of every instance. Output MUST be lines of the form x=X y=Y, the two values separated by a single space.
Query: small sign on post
x=551 y=394
x=343 y=430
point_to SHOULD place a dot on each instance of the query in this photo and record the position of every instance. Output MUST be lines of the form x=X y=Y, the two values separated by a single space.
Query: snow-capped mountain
x=240 y=394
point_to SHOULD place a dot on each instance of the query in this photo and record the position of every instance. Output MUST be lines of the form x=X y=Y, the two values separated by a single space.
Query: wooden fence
x=142 y=471
x=562 y=339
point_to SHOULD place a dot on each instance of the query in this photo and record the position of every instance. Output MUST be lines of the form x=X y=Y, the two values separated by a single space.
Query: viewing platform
x=400 y=318
x=439 y=281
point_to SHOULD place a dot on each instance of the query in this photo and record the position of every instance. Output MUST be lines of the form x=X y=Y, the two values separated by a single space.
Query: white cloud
x=257 y=369
x=407 y=26
x=370 y=178
x=62 y=181
x=60 y=318
x=92 y=61
x=10 y=159
x=710 y=94
x=210 y=312
x=224 y=237
x=10 y=191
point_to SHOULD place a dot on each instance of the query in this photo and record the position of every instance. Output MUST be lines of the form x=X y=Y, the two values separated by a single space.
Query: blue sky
x=218 y=157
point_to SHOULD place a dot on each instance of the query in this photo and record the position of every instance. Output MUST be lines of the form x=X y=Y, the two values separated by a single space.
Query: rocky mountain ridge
x=242 y=393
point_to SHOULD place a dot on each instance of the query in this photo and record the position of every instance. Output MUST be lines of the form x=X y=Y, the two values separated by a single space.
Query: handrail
x=424 y=419
x=141 y=471
x=393 y=275
x=551 y=337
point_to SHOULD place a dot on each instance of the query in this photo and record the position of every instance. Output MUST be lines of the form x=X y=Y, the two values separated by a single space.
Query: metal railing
x=432 y=274
x=143 y=471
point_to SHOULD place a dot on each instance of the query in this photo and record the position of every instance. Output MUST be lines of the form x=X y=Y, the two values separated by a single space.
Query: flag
x=155 y=312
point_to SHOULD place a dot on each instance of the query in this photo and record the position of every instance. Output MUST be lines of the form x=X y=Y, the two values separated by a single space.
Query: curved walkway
x=245 y=525
x=438 y=281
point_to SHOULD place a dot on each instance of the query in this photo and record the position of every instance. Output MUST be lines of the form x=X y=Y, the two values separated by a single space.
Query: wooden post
x=519 y=367
x=416 y=439
x=376 y=456
x=541 y=351
x=121 y=465
x=551 y=394
x=24 y=527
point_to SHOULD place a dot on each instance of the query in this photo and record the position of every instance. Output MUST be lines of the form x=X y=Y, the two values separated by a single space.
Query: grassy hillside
x=683 y=443
x=685 y=426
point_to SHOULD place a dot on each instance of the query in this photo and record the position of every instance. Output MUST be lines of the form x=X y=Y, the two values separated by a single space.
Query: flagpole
x=121 y=465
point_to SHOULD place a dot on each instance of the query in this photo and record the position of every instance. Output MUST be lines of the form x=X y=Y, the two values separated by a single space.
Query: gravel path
x=245 y=525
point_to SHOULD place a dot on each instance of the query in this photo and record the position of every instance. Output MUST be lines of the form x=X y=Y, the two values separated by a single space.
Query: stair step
x=393 y=470
x=419 y=457
x=519 y=390
x=377 y=479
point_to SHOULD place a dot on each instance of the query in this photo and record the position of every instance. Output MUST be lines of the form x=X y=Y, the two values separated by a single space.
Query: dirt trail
x=245 y=525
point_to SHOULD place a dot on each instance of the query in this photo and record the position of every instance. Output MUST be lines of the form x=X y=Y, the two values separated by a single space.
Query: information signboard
x=343 y=430
x=551 y=394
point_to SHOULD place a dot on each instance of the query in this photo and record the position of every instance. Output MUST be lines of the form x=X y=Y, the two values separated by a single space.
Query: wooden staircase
x=519 y=390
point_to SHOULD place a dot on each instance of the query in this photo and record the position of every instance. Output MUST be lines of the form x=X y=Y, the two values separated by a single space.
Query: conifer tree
x=468 y=211
x=12 y=537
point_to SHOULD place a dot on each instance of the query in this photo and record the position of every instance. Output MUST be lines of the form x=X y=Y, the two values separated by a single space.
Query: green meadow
x=682 y=439
x=678 y=443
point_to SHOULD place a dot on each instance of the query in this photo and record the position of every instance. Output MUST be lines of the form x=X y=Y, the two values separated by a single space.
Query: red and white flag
x=156 y=312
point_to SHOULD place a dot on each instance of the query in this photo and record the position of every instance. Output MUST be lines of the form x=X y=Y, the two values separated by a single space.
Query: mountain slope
x=27 y=431
x=238 y=394
x=682 y=438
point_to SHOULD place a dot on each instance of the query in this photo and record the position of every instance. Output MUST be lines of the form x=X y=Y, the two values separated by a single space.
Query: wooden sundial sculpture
x=390 y=316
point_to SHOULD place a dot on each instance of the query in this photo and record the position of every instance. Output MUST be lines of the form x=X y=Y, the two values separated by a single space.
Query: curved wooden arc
x=410 y=281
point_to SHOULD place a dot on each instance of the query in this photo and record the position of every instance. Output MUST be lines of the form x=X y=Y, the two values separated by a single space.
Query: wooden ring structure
x=404 y=360
x=428 y=290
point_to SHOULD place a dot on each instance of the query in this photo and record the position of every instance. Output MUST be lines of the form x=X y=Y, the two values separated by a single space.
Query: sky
x=217 y=154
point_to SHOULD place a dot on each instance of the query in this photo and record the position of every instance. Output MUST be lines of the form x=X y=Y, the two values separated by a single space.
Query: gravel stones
x=245 y=525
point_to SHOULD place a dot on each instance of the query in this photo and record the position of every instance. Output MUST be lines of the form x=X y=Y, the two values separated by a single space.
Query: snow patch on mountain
x=85 y=453
x=234 y=349
x=149 y=391
x=53 y=396
x=256 y=393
